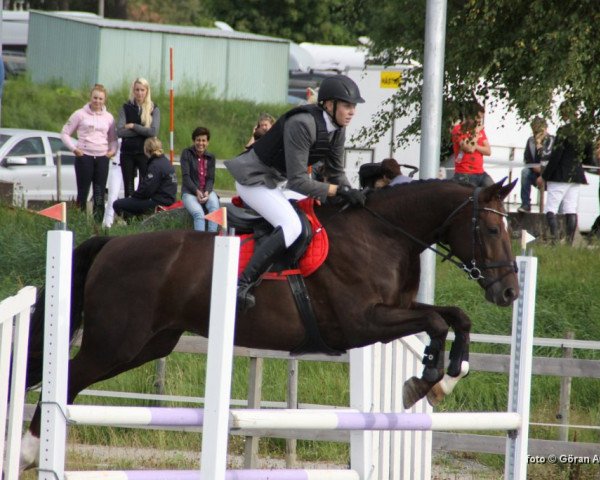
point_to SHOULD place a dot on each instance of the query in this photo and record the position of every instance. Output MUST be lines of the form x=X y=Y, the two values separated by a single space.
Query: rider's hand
x=351 y=196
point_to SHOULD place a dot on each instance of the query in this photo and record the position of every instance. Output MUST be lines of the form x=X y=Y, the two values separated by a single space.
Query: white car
x=28 y=160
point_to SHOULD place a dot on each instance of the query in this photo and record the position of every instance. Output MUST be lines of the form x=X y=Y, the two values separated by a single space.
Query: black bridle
x=474 y=271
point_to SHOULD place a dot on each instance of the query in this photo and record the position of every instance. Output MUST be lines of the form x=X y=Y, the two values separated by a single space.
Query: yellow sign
x=390 y=79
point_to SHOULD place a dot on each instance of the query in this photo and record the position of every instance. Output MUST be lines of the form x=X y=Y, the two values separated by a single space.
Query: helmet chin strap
x=333 y=116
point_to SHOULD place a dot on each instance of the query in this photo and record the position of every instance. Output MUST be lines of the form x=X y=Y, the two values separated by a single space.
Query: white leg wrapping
x=448 y=383
x=30 y=450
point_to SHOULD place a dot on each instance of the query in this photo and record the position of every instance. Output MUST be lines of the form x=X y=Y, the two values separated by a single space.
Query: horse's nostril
x=510 y=294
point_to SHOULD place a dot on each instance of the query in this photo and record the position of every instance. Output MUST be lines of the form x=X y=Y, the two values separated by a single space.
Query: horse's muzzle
x=502 y=295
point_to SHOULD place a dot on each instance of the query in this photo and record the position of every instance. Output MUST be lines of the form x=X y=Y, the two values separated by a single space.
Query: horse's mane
x=417 y=186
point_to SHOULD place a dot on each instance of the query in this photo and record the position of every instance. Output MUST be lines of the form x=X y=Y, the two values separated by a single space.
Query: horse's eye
x=494 y=230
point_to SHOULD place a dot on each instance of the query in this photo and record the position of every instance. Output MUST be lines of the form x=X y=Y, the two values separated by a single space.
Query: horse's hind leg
x=92 y=365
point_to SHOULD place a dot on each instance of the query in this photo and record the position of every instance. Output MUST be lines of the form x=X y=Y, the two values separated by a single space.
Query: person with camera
x=263 y=125
x=278 y=163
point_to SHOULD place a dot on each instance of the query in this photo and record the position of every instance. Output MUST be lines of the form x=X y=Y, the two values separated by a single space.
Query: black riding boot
x=553 y=224
x=571 y=227
x=264 y=255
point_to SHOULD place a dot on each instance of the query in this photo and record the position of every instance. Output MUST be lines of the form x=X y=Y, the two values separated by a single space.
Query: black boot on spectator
x=98 y=203
x=553 y=226
x=571 y=227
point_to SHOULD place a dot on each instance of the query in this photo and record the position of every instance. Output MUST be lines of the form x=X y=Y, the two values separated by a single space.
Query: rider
x=277 y=164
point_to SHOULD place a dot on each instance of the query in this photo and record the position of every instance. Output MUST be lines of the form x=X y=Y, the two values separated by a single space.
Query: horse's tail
x=83 y=258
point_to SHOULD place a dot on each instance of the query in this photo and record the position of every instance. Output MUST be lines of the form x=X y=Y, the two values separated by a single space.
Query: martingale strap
x=313 y=342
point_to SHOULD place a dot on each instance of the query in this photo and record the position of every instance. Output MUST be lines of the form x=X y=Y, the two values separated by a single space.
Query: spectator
x=537 y=152
x=564 y=172
x=139 y=119
x=470 y=145
x=595 y=230
x=157 y=188
x=96 y=144
x=393 y=173
x=198 y=180
x=264 y=123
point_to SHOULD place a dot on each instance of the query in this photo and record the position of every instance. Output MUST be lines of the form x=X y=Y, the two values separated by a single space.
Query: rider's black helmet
x=339 y=87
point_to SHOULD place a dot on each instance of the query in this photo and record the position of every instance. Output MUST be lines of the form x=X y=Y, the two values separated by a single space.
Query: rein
x=473 y=271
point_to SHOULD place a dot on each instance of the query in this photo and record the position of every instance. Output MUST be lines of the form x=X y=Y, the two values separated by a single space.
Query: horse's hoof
x=412 y=393
x=435 y=395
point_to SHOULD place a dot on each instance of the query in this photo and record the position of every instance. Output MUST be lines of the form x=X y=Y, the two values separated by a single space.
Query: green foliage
x=522 y=52
x=318 y=21
x=321 y=21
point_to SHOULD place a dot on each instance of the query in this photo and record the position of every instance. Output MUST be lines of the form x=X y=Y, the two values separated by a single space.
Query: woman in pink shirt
x=96 y=144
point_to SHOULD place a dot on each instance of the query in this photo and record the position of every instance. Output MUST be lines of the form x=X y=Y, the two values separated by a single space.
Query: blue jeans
x=192 y=205
x=528 y=179
x=475 y=179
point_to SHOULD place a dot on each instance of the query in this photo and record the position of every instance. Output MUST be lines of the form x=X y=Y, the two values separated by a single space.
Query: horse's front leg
x=458 y=365
x=390 y=323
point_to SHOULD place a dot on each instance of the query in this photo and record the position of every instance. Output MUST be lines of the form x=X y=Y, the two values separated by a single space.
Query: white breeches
x=273 y=205
x=563 y=195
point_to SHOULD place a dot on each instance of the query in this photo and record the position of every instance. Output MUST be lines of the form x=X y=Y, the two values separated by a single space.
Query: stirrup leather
x=245 y=299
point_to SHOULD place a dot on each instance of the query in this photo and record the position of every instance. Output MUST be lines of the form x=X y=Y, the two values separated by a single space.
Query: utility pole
x=101 y=8
x=431 y=120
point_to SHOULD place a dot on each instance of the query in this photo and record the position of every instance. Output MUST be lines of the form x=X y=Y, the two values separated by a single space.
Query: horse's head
x=479 y=237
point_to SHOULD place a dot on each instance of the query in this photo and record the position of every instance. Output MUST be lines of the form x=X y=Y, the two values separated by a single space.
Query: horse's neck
x=421 y=209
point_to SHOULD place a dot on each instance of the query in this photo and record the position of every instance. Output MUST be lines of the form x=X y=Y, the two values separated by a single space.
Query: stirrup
x=245 y=300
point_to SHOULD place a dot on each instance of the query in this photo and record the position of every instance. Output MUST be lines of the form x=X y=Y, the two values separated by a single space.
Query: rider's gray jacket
x=299 y=136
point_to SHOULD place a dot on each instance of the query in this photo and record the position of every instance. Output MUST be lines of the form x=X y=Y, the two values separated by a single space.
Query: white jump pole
x=56 y=355
x=220 y=358
x=521 y=356
x=361 y=398
x=15 y=308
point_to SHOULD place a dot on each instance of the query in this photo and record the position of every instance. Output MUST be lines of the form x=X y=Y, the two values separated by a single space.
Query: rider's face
x=343 y=113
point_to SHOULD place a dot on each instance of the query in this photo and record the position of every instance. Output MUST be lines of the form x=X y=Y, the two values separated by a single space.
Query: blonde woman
x=96 y=143
x=157 y=188
x=139 y=119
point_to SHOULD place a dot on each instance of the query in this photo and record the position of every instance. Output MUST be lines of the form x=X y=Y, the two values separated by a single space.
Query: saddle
x=300 y=260
x=303 y=257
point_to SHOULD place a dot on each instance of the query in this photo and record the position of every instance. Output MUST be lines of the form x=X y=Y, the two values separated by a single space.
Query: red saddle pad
x=311 y=260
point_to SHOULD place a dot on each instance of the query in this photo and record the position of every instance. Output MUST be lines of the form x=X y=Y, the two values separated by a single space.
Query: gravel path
x=446 y=467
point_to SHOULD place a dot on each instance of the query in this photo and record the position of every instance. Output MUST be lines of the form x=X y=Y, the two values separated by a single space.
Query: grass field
x=567 y=300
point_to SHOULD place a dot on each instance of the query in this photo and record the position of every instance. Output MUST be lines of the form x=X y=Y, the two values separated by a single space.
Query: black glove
x=351 y=196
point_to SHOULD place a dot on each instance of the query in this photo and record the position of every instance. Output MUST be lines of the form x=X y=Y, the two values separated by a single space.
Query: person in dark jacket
x=277 y=166
x=157 y=188
x=564 y=172
x=198 y=180
x=537 y=152
x=139 y=119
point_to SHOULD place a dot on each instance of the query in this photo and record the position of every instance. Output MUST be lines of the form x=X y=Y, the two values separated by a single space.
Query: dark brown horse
x=137 y=294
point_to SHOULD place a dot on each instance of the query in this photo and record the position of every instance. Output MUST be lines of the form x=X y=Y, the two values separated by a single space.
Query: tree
x=319 y=21
x=526 y=52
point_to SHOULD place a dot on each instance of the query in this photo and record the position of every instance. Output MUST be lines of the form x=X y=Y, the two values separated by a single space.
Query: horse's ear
x=498 y=190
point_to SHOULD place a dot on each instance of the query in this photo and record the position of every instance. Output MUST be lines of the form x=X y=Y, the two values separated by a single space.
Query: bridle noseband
x=474 y=271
